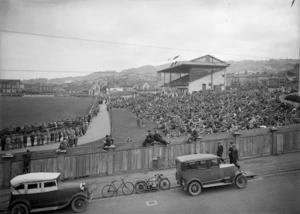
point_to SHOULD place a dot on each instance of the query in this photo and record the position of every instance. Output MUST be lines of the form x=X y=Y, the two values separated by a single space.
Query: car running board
x=216 y=184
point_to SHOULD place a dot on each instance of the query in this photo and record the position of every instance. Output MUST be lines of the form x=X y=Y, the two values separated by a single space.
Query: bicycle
x=162 y=163
x=111 y=190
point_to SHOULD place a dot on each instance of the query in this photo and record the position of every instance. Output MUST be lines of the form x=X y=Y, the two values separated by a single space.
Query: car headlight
x=82 y=185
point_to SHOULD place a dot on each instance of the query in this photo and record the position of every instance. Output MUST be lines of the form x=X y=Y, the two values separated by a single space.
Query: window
x=32 y=186
x=212 y=163
x=49 y=184
x=191 y=165
x=21 y=186
x=201 y=164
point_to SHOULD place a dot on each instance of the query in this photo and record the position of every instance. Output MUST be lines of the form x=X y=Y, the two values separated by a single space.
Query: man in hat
x=27 y=160
x=230 y=152
x=235 y=156
x=220 y=151
x=149 y=138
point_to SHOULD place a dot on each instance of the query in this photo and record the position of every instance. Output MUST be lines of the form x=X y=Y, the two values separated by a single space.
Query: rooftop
x=34 y=177
x=196 y=157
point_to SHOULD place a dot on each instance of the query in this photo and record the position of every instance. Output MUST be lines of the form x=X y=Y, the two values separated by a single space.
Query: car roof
x=34 y=177
x=196 y=157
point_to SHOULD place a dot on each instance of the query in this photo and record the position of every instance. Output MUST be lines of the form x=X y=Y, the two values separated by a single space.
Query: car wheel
x=194 y=188
x=164 y=184
x=79 y=204
x=19 y=209
x=241 y=181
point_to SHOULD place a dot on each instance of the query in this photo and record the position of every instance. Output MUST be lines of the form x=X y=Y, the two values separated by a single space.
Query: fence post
x=274 y=141
x=236 y=138
x=60 y=163
x=110 y=161
x=7 y=168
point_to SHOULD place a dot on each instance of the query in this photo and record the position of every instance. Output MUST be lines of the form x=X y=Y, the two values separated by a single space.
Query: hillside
x=129 y=77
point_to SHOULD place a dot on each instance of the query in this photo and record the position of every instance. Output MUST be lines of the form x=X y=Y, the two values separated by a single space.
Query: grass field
x=28 y=110
x=124 y=125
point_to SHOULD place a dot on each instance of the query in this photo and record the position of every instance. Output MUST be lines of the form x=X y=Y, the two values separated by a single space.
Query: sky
x=121 y=34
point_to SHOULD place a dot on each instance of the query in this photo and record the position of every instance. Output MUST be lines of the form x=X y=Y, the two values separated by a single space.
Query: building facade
x=203 y=73
x=10 y=86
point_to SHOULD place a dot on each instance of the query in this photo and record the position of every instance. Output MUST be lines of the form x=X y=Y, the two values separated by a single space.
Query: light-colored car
x=197 y=171
x=43 y=191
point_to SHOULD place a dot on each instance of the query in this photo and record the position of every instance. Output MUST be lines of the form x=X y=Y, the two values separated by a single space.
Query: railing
x=88 y=161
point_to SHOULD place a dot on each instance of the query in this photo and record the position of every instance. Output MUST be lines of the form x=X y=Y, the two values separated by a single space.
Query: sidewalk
x=259 y=166
x=98 y=128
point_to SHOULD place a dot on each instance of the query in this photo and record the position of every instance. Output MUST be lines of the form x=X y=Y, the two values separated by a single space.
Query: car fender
x=19 y=201
x=82 y=194
x=238 y=173
x=194 y=179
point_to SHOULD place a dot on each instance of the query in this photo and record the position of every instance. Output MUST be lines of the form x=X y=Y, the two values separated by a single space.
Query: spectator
x=27 y=161
x=220 y=151
x=230 y=154
x=149 y=138
x=158 y=138
x=25 y=140
x=235 y=156
x=108 y=142
x=32 y=138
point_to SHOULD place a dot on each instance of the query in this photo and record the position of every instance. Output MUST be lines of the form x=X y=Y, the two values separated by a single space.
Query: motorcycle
x=155 y=183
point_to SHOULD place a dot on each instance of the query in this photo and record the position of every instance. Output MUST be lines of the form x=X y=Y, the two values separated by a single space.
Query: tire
x=140 y=187
x=240 y=181
x=194 y=188
x=164 y=184
x=79 y=204
x=19 y=209
x=108 y=191
x=128 y=188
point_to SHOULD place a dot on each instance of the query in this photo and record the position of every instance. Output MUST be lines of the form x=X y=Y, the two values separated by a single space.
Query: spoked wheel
x=108 y=191
x=20 y=209
x=140 y=187
x=79 y=204
x=164 y=184
x=241 y=181
x=194 y=188
x=128 y=188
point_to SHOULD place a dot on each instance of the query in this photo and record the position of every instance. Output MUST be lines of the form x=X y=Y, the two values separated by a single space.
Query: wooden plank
x=279 y=143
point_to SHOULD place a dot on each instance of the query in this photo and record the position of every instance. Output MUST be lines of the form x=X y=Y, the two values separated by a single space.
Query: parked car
x=197 y=171
x=43 y=191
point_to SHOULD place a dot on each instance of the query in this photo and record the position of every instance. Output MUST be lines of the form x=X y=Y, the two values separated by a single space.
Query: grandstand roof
x=204 y=61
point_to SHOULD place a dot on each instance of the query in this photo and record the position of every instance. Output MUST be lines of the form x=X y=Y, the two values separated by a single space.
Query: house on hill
x=10 y=86
x=203 y=73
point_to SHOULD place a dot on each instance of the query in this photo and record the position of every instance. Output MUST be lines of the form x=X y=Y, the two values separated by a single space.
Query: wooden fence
x=88 y=161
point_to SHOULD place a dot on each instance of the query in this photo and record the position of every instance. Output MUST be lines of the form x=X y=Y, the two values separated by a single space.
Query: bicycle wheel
x=128 y=188
x=108 y=191
x=164 y=184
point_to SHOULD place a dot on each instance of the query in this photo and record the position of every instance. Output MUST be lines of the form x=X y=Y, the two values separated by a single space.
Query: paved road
x=276 y=194
x=98 y=128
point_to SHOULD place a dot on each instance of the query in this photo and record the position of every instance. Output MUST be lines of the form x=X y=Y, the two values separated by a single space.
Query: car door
x=212 y=172
x=48 y=197
x=33 y=194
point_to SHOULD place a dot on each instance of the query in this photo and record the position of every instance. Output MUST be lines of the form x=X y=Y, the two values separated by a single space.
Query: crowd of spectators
x=39 y=134
x=208 y=112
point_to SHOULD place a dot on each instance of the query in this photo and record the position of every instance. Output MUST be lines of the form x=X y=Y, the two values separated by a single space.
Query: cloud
x=230 y=29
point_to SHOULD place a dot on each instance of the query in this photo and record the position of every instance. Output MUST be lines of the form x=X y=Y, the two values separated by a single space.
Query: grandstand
x=203 y=73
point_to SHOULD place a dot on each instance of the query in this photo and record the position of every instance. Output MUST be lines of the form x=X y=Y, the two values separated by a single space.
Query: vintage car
x=43 y=191
x=197 y=171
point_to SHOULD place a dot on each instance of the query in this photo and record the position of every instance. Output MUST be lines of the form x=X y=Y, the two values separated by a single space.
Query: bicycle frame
x=116 y=190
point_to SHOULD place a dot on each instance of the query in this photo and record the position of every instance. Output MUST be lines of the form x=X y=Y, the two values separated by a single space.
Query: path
x=98 y=128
